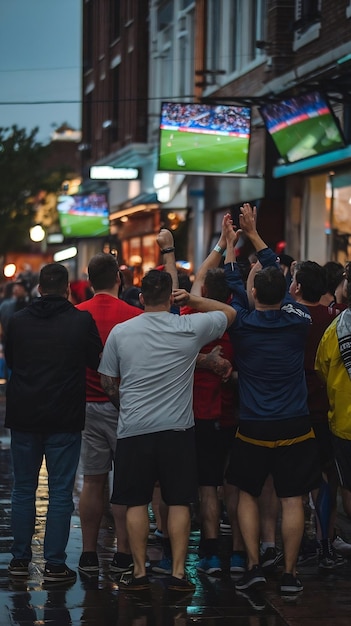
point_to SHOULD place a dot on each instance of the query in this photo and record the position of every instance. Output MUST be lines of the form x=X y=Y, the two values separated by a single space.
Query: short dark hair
x=102 y=271
x=270 y=285
x=216 y=286
x=334 y=275
x=311 y=277
x=53 y=279
x=156 y=287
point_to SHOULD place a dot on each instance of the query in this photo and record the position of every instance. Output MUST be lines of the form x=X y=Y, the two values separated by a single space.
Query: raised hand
x=165 y=239
x=248 y=218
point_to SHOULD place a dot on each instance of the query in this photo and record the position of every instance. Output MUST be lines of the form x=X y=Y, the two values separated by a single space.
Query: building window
x=184 y=69
x=235 y=36
x=232 y=31
x=307 y=23
x=115 y=104
x=164 y=51
x=213 y=38
x=115 y=19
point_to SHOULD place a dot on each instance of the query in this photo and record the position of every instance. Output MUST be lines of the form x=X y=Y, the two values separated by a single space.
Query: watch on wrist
x=218 y=248
x=168 y=250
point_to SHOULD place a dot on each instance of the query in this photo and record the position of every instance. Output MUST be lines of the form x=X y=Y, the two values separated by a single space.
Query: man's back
x=107 y=311
x=48 y=346
x=270 y=356
x=156 y=357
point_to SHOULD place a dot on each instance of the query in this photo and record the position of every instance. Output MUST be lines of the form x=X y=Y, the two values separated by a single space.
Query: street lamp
x=37 y=233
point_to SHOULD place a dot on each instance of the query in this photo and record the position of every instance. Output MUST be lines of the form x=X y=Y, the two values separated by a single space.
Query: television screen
x=83 y=215
x=302 y=127
x=204 y=138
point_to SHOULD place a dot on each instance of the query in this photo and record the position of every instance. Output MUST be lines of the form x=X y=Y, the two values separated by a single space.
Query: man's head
x=215 y=285
x=103 y=272
x=334 y=275
x=308 y=283
x=156 y=288
x=19 y=290
x=53 y=280
x=269 y=286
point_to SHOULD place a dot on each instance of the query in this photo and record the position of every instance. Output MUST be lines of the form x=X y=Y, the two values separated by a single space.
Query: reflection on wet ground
x=326 y=599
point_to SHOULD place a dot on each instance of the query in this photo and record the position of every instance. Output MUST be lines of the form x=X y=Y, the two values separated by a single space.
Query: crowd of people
x=228 y=118
x=235 y=390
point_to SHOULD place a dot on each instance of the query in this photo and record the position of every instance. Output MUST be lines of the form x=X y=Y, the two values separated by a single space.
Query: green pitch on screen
x=200 y=152
x=308 y=138
x=84 y=226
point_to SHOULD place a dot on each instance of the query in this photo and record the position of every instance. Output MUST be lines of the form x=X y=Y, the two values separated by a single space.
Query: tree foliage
x=22 y=176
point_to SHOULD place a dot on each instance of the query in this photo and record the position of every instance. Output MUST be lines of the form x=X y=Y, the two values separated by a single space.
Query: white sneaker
x=342 y=546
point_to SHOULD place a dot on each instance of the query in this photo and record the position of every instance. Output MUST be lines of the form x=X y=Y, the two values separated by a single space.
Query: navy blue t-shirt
x=269 y=352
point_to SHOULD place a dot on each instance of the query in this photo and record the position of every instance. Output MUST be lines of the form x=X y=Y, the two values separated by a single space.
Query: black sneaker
x=121 y=562
x=270 y=559
x=58 y=573
x=18 y=567
x=253 y=597
x=129 y=583
x=89 y=563
x=180 y=584
x=290 y=584
x=327 y=556
x=253 y=577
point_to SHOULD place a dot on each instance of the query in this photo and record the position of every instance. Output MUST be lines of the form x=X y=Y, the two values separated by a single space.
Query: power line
x=41 y=69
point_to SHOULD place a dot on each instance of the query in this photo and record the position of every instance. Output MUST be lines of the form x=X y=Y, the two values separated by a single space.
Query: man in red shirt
x=99 y=435
x=215 y=405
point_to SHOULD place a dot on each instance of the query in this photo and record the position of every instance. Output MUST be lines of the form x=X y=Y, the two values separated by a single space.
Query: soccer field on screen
x=308 y=138
x=84 y=225
x=201 y=152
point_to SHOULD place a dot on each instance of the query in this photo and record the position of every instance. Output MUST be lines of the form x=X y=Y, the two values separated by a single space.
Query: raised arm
x=166 y=243
x=247 y=220
x=203 y=305
x=250 y=282
x=212 y=260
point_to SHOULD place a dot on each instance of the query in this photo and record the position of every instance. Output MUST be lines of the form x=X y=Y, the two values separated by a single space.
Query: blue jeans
x=61 y=451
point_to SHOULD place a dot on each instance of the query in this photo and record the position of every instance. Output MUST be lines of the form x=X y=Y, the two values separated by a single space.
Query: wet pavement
x=326 y=599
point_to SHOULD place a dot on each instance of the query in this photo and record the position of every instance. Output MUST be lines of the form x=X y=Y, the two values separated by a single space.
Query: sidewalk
x=326 y=599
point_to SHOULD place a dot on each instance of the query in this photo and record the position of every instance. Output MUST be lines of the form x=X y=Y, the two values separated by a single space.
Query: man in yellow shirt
x=333 y=362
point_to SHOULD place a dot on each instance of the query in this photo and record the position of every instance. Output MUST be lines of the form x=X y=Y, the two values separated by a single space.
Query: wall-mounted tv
x=302 y=126
x=204 y=138
x=83 y=215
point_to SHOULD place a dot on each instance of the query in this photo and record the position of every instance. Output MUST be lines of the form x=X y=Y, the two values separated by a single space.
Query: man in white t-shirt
x=147 y=370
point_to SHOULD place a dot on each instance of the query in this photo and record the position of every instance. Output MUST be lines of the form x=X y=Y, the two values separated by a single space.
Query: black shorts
x=295 y=468
x=213 y=445
x=168 y=457
x=342 y=457
x=324 y=444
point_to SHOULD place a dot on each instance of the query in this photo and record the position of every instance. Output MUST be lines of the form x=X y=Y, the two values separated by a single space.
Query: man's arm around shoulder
x=204 y=305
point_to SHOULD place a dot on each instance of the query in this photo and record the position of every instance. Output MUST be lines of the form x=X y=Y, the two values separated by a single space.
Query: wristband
x=218 y=248
x=167 y=250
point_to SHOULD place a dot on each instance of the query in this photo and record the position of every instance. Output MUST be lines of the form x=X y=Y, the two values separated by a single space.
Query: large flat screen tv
x=83 y=215
x=302 y=126
x=204 y=138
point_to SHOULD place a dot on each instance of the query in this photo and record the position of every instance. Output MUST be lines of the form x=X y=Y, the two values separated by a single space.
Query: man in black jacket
x=49 y=344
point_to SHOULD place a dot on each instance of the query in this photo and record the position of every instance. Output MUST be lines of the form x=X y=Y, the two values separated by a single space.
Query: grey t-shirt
x=154 y=355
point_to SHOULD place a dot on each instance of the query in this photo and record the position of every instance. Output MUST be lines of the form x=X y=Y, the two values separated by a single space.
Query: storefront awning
x=142 y=202
x=133 y=155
